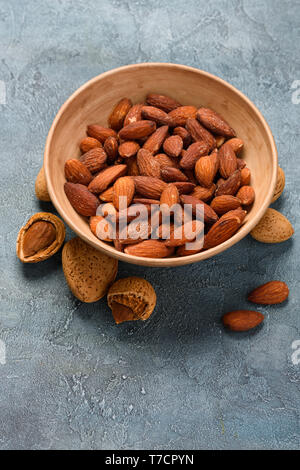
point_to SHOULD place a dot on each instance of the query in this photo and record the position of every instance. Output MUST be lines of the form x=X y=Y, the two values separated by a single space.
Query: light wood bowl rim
x=161 y=262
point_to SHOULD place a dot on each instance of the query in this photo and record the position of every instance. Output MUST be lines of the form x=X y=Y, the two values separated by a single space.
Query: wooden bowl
x=93 y=102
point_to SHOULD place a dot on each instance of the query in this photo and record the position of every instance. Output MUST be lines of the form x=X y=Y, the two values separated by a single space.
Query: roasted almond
x=163 y=102
x=184 y=188
x=150 y=249
x=225 y=203
x=155 y=114
x=238 y=213
x=227 y=161
x=236 y=144
x=148 y=186
x=103 y=231
x=214 y=122
x=205 y=170
x=185 y=233
x=100 y=133
x=128 y=149
x=245 y=176
x=94 y=159
x=192 y=154
x=229 y=186
x=155 y=141
x=170 y=196
x=81 y=199
x=242 y=320
x=246 y=195
x=210 y=217
x=137 y=130
x=171 y=174
x=205 y=194
x=240 y=163
x=39 y=236
x=106 y=177
x=273 y=292
x=107 y=195
x=134 y=114
x=274 y=227
x=111 y=149
x=173 y=145
x=164 y=161
x=184 y=134
x=77 y=172
x=221 y=231
x=119 y=113
x=180 y=115
x=89 y=143
x=123 y=192
x=199 y=133
x=147 y=164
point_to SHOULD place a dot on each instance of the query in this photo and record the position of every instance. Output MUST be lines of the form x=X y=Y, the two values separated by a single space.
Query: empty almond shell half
x=40 y=238
x=131 y=298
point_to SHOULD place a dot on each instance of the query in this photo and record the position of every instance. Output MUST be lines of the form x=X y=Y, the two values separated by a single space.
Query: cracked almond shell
x=50 y=250
x=88 y=272
x=131 y=298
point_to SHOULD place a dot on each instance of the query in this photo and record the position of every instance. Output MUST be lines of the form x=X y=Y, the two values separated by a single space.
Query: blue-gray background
x=74 y=380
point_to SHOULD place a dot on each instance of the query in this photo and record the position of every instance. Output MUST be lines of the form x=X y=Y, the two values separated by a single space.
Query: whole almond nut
x=119 y=113
x=170 y=196
x=137 y=130
x=155 y=114
x=273 y=292
x=214 y=122
x=173 y=145
x=199 y=133
x=40 y=238
x=184 y=134
x=148 y=186
x=274 y=227
x=210 y=217
x=41 y=190
x=246 y=195
x=164 y=161
x=236 y=144
x=77 y=172
x=163 y=102
x=111 y=149
x=94 y=159
x=150 y=249
x=221 y=231
x=227 y=161
x=128 y=149
x=205 y=170
x=147 y=164
x=88 y=272
x=238 y=213
x=205 y=194
x=81 y=199
x=170 y=174
x=242 y=320
x=245 y=176
x=225 y=203
x=155 y=141
x=180 y=115
x=123 y=188
x=100 y=133
x=89 y=143
x=134 y=114
x=106 y=177
x=192 y=154
x=229 y=186
x=279 y=184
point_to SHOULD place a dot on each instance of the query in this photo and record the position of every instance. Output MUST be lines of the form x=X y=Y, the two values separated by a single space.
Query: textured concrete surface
x=71 y=378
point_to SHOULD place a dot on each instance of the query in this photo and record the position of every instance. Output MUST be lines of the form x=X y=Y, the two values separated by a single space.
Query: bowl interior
x=93 y=102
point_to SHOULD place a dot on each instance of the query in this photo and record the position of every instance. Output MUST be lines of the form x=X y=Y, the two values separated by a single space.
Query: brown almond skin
x=240 y=163
x=214 y=122
x=81 y=199
x=100 y=133
x=119 y=113
x=184 y=188
x=171 y=175
x=147 y=164
x=227 y=161
x=163 y=102
x=210 y=217
x=221 y=231
x=199 y=133
x=205 y=194
x=89 y=143
x=150 y=249
x=205 y=170
x=245 y=176
x=238 y=213
x=155 y=141
x=128 y=149
x=125 y=187
x=137 y=130
x=134 y=114
x=229 y=186
x=132 y=167
x=107 y=195
x=192 y=154
x=164 y=161
x=225 y=203
x=155 y=114
x=273 y=292
x=236 y=144
x=173 y=145
x=94 y=159
x=40 y=235
x=170 y=195
x=77 y=172
x=111 y=149
x=148 y=186
x=246 y=195
x=106 y=177
x=184 y=134
x=242 y=320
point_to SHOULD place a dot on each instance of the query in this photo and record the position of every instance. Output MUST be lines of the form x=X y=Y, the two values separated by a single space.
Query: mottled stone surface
x=74 y=380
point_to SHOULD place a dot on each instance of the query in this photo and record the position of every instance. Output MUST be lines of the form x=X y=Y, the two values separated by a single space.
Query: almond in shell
x=274 y=227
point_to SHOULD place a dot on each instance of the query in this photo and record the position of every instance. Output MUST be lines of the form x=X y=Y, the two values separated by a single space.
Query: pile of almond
x=160 y=152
